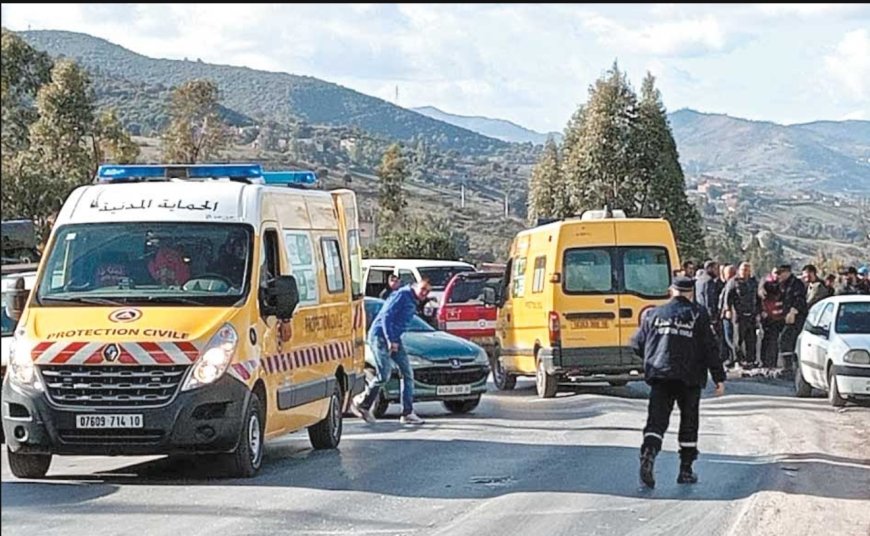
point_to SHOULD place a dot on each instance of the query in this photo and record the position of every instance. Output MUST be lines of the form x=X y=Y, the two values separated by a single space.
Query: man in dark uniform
x=794 y=307
x=678 y=348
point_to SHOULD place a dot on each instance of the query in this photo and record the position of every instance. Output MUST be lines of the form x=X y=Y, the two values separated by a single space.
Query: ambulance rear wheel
x=248 y=456
x=327 y=433
x=28 y=465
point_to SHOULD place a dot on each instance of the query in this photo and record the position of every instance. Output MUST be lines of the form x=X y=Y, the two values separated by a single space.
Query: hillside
x=494 y=128
x=828 y=156
x=259 y=94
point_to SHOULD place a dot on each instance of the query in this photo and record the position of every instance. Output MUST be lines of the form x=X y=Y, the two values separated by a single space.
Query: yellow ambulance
x=188 y=309
x=572 y=296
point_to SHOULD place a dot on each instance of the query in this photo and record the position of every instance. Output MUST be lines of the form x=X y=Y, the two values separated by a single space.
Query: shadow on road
x=465 y=469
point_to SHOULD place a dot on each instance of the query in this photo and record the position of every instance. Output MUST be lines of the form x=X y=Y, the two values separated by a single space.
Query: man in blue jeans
x=385 y=341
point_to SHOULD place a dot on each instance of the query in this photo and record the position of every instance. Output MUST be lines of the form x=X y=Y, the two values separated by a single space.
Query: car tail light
x=555 y=328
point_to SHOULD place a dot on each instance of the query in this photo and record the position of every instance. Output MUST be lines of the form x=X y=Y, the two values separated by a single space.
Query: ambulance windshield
x=161 y=263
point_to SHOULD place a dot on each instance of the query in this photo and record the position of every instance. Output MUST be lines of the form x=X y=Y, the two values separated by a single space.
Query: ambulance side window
x=332 y=265
x=300 y=251
x=269 y=264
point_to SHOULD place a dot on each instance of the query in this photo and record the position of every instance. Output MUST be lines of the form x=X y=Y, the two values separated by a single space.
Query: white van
x=376 y=273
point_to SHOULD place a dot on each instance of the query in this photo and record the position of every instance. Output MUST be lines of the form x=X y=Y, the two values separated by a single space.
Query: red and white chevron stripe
x=130 y=353
x=306 y=357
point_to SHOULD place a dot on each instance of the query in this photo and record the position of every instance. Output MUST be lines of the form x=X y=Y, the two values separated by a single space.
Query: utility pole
x=462 y=194
x=507 y=205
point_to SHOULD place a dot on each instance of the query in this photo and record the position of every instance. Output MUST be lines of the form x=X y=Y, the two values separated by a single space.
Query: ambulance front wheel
x=248 y=456
x=28 y=465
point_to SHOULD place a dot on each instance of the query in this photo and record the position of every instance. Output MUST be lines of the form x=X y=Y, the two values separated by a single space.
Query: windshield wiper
x=172 y=299
x=82 y=299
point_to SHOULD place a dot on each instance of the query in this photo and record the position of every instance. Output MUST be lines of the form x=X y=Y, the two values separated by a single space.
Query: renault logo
x=111 y=352
x=455 y=363
x=125 y=315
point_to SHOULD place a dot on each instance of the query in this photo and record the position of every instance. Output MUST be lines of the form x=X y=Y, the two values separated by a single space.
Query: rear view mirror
x=280 y=297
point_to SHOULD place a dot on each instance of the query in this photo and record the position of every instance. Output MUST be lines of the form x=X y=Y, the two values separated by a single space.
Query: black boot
x=687 y=476
x=647 y=468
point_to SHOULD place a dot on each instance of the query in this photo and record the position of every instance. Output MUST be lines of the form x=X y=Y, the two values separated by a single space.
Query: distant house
x=347 y=144
x=367 y=233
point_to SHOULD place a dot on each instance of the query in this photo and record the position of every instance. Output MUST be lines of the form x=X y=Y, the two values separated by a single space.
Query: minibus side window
x=518 y=287
x=539 y=275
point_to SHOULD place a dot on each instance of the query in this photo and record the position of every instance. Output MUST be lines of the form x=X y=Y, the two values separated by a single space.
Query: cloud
x=849 y=65
x=808 y=10
x=531 y=64
x=685 y=37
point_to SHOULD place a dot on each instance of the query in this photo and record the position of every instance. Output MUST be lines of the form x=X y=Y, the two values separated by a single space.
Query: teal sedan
x=446 y=368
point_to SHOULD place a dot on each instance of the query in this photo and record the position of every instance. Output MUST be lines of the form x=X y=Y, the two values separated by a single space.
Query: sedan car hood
x=439 y=346
x=856 y=341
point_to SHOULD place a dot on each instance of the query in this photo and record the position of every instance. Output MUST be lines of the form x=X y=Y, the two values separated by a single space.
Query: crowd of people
x=743 y=309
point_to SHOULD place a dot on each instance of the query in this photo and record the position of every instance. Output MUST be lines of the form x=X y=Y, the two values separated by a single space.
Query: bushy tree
x=195 y=132
x=57 y=158
x=547 y=196
x=421 y=240
x=22 y=72
x=392 y=174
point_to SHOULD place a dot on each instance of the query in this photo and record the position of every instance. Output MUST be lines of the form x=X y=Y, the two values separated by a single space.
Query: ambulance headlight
x=22 y=371
x=214 y=359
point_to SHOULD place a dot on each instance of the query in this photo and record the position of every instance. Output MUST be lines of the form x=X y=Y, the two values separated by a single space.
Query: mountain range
x=826 y=155
x=500 y=129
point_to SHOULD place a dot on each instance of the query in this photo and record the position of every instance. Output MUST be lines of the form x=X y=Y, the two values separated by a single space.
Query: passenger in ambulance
x=168 y=267
x=232 y=259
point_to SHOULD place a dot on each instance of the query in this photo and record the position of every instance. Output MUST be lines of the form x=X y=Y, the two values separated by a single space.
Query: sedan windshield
x=854 y=318
x=126 y=263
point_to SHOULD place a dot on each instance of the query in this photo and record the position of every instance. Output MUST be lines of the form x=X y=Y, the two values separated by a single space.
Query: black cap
x=852 y=271
x=784 y=267
x=683 y=284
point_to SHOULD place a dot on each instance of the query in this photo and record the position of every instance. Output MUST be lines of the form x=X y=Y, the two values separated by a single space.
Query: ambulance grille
x=112 y=386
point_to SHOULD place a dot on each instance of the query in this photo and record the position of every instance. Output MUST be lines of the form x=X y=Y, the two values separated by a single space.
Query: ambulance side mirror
x=492 y=298
x=281 y=297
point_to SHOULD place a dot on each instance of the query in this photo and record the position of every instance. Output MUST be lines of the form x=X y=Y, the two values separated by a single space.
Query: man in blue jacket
x=385 y=341
x=678 y=349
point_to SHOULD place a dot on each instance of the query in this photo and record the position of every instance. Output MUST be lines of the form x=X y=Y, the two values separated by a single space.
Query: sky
x=531 y=64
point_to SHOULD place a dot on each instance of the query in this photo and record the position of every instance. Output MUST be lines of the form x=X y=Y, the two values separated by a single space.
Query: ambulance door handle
x=609 y=300
x=625 y=312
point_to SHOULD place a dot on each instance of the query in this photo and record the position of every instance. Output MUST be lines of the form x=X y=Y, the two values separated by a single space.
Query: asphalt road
x=770 y=464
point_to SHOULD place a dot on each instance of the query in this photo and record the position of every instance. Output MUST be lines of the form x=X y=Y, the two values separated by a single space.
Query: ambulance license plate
x=109 y=421
x=453 y=390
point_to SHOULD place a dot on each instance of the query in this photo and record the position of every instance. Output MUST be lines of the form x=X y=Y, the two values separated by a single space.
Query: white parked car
x=834 y=349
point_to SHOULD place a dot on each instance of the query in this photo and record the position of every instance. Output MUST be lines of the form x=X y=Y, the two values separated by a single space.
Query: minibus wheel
x=547 y=384
x=503 y=380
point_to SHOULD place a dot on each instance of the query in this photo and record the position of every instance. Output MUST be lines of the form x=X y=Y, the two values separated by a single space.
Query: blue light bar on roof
x=122 y=173
x=289 y=178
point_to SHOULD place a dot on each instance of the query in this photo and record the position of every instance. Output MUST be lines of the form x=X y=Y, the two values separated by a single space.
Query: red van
x=463 y=313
